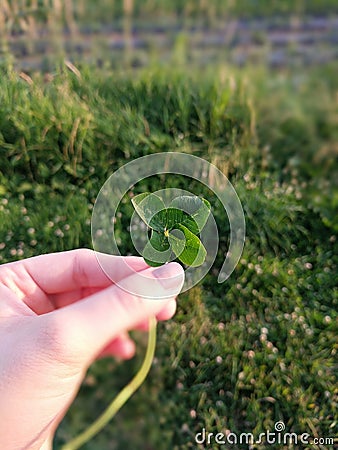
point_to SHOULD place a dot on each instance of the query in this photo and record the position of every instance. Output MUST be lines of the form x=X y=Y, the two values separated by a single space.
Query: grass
x=238 y=356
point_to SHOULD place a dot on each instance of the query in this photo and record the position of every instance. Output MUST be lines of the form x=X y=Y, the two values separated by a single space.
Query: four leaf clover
x=174 y=229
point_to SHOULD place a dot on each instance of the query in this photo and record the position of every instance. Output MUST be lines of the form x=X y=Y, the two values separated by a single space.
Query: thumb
x=84 y=328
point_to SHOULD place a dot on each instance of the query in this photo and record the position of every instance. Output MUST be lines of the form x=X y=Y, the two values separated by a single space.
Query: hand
x=58 y=313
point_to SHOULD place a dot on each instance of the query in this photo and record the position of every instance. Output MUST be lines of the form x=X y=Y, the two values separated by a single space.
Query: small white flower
x=59 y=233
x=193 y=414
x=251 y=354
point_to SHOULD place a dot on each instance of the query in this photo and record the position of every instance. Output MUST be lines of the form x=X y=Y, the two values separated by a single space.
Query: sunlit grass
x=237 y=356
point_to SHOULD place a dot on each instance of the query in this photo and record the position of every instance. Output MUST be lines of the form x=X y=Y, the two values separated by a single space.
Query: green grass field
x=238 y=356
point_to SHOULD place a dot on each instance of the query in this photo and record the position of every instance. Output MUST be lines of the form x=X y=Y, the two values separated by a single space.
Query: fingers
x=85 y=328
x=121 y=347
x=165 y=314
x=82 y=268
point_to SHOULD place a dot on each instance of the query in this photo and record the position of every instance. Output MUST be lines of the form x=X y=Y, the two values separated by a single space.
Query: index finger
x=66 y=271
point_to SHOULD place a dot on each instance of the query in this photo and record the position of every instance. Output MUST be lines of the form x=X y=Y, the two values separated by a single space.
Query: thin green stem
x=122 y=397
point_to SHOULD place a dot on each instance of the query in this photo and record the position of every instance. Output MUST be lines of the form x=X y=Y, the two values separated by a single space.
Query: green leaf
x=202 y=214
x=192 y=226
x=187 y=246
x=159 y=241
x=197 y=211
x=188 y=203
x=147 y=205
x=157 y=250
x=175 y=216
x=159 y=221
x=168 y=219
x=153 y=263
x=177 y=242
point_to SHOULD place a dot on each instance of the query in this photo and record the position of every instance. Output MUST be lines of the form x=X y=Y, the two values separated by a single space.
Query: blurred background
x=250 y=86
x=104 y=33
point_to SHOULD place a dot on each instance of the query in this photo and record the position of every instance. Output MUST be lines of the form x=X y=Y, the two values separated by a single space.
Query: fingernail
x=170 y=276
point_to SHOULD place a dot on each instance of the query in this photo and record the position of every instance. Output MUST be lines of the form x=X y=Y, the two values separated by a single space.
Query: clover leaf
x=174 y=229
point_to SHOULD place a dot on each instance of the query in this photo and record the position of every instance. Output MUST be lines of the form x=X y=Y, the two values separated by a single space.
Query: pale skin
x=58 y=314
